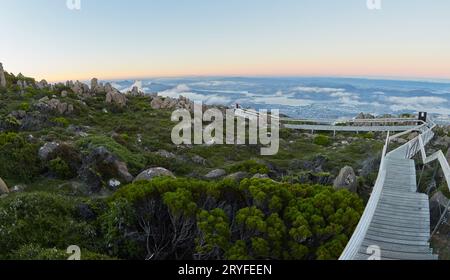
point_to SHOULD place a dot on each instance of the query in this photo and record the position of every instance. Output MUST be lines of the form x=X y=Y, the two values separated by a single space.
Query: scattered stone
x=215 y=174
x=261 y=176
x=346 y=180
x=64 y=93
x=238 y=176
x=152 y=173
x=166 y=154
x=198 y=160
x=114 y=184
x=3 y=187
x=18 y=188
x=46 y=151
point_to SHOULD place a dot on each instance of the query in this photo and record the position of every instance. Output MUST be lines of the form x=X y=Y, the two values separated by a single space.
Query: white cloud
x=318 y=89
x=184 y=90
x=419 y=103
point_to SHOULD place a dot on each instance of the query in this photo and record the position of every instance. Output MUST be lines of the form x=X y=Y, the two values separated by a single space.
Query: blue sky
x=148 y=38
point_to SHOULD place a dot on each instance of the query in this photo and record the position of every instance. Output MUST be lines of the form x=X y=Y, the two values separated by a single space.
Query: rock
x=64 y=93
x=443 y=141
x=2 y=77
x=53 y=106
x=166 y=154
x=238 y=176
x=215 y=174
x=116 y=97
x=3 y=187
x=438 y=203
x=346 y=180
x=46 y=151
x=100 y=166
x=80 y=88
x=42 y=84
x=447 y=156
x=96 y=87
x=135 y=92
x=198 y=160
x=114 y=184
x=159 y=102
x=152 y=173
x=18 y=188
x=261 y=176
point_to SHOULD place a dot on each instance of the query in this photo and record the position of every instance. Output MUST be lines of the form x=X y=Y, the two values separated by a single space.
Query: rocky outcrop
x=97 y=87
x=159 y=102
x=152 y=173
x=3 y=187
x=79 y=88
x=101 y=167
x=135 y=91
x=113 y=96
x=43 y=84
x=2 y=76
x=216 y=174
x=447 y=156
x=54 y=106
x=346 y=180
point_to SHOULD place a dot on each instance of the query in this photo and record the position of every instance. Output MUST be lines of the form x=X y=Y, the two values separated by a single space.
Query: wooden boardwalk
x=400 y=227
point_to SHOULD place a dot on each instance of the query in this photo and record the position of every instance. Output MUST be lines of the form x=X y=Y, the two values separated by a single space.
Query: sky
x=118 y=39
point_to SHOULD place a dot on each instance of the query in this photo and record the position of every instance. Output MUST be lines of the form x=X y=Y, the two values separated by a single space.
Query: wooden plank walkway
x=401 y=224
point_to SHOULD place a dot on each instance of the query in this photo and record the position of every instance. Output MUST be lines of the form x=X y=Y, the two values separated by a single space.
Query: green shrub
x=322 y=140
x=263 y=219
x=60 y=168
x=36 y=252
x=18 y=159
x=43 y=219
x=25 y=106
x=62 y=122
x=250 y=166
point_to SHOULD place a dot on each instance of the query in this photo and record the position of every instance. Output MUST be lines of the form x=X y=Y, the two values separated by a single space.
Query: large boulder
x=101 y=167
x=3 y=187
x=346 y=180
x=116 y=97
x=152 y=173
x=216 y=174
x=2 y=76
x=438 y=203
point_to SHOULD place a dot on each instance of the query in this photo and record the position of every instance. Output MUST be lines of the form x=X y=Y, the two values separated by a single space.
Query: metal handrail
x=358 y=236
